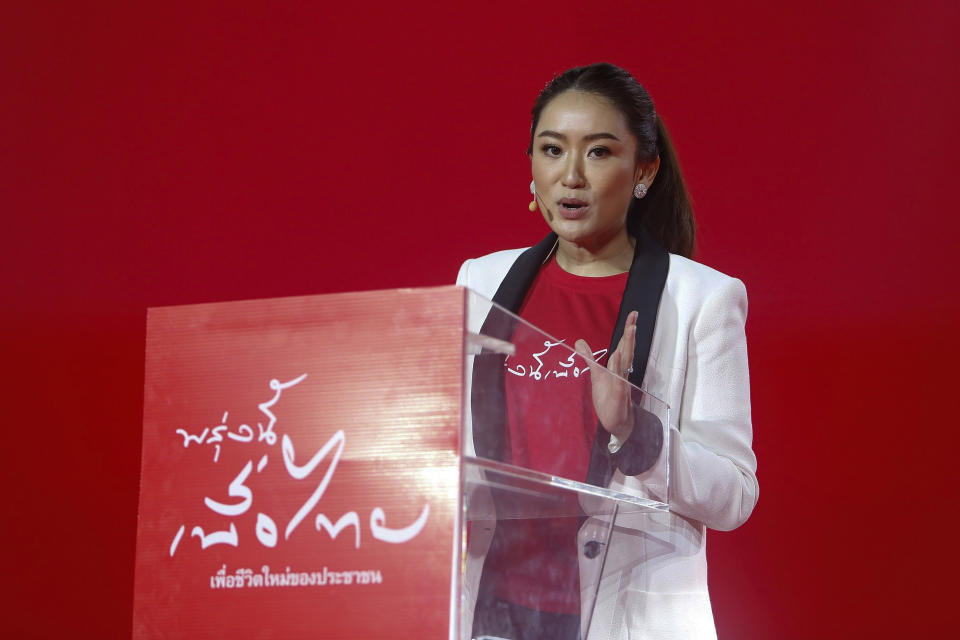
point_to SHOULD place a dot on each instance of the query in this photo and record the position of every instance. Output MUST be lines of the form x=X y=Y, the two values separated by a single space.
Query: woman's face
x=584 y=168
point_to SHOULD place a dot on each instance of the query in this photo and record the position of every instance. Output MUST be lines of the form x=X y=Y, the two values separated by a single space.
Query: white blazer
x=654 y=581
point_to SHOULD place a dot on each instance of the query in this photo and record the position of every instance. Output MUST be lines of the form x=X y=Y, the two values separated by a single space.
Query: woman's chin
x=585 y=235
x=575 y=231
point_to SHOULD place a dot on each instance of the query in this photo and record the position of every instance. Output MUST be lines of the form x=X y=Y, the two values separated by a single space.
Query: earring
x=640 y=190
x=533 y=192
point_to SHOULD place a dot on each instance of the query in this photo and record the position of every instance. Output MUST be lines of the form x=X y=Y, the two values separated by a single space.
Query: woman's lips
x=572 y=208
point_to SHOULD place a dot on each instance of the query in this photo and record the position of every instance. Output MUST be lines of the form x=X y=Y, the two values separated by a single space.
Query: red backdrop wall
x=170 y=154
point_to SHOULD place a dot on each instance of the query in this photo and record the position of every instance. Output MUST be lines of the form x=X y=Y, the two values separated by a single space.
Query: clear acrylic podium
x=499 y=345
x=347 y=466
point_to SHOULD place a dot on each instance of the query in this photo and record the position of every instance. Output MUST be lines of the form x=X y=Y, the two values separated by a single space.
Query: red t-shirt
x=551 y=426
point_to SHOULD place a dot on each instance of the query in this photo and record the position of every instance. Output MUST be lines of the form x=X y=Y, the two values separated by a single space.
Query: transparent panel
x=543 y=487
x=535 y=404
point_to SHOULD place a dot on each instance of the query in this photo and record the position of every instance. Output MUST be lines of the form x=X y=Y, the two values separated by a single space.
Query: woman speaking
x=615 y=270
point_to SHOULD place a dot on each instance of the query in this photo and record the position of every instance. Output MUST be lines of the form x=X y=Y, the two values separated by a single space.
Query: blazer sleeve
x=462 y=275
x=712 y=465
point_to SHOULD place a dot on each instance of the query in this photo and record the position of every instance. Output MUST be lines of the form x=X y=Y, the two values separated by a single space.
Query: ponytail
x=666 y=212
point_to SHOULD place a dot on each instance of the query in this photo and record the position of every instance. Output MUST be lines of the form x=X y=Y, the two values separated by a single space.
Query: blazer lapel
x=487 y=394
x=645 y=283
x=522 y=273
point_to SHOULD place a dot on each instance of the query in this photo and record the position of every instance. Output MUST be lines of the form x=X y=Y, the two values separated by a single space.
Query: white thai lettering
x=236 y=490
x=299 y=472
x=396 y=536
x=268 y=434
x=348 y=519
x=217 y=537
x=266 y=530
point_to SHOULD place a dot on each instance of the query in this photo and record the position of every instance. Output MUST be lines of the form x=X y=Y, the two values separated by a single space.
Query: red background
x=155 y=155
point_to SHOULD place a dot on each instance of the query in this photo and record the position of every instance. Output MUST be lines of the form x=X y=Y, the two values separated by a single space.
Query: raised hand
x=611 y=394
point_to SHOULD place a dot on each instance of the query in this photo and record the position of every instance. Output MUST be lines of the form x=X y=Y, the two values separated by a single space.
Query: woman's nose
x=573 y=173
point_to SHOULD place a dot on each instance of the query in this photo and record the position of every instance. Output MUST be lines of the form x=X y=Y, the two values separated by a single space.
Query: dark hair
x=666 y=211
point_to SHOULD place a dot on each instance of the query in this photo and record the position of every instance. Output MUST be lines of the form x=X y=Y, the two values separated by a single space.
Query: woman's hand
x=611 y=396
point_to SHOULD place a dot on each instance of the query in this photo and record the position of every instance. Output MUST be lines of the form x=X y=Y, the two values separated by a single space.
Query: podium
x=350 y=466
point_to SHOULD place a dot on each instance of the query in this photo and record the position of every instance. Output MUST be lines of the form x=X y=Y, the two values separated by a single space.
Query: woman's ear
x=647 y=171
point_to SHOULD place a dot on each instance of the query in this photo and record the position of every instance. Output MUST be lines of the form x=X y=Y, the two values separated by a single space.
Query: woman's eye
x=551 y=150
x=599 y=152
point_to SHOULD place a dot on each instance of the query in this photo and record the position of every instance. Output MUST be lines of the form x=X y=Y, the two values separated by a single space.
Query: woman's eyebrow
x=603 y=135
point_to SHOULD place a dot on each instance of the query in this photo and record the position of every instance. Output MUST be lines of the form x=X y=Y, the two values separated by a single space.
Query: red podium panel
x=300 y=473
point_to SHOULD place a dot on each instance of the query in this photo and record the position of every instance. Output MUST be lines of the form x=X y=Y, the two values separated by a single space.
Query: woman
x=616 y=263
